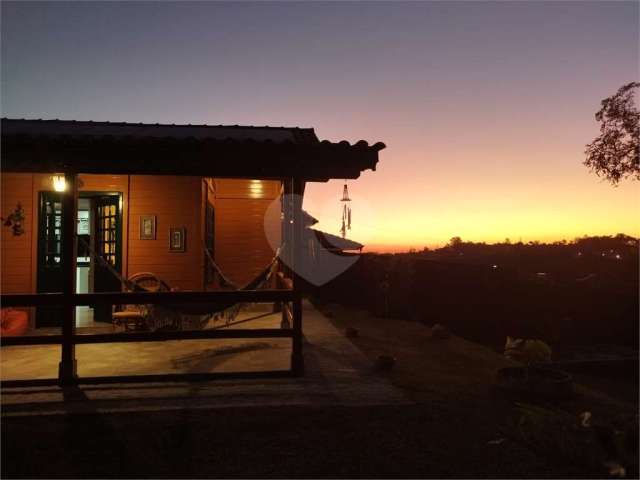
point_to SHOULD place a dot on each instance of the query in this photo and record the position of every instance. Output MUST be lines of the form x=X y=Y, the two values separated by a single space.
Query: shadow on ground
x=383 y=441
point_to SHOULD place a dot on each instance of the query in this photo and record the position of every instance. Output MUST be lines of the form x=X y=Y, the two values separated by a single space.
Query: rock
x=440 y=332
x=385 y=362
x=351 y=332
x=615 y=470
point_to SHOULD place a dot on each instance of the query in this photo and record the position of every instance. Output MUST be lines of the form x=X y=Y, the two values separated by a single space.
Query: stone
x=385 y=362
x=440 y=332
x=351 y=332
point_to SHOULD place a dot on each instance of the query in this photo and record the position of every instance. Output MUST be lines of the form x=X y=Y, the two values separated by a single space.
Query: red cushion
x=13 y=323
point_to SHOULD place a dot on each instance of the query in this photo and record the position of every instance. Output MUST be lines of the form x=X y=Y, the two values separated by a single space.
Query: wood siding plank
x=241 y=247
x=15 y=256
x=176 y=202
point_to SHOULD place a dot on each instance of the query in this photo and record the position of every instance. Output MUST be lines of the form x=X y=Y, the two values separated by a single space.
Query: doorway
x=100 y=234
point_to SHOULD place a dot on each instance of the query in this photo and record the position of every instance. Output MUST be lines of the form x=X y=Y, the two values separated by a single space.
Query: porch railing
x=289 y=298
x=68 y=342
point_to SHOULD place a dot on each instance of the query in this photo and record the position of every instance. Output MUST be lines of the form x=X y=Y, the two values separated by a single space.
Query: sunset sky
x=485 y=107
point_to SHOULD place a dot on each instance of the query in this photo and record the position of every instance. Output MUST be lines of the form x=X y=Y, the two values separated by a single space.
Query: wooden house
x=165 y=199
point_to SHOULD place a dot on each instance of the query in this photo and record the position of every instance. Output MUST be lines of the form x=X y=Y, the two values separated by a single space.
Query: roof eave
x=170 y=156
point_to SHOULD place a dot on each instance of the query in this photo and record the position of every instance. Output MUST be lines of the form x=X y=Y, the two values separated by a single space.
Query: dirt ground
x=456 y=427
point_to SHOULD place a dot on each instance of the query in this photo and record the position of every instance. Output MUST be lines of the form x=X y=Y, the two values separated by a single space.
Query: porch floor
x=179 y=356
x=336 y=372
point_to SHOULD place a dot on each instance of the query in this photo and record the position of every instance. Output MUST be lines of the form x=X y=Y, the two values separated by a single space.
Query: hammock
x=196 y=316
x=179 y=316
x=257 y=283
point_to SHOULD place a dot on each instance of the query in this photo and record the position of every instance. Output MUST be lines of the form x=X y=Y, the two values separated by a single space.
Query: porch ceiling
x=218 y=151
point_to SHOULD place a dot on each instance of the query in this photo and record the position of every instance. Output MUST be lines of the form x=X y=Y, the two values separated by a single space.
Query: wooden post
x=286 y=245
x=67 y=368
x=278 y=307
x=297 y=358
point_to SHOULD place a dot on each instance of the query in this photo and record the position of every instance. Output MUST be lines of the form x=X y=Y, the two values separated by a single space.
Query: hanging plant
x=15 y=219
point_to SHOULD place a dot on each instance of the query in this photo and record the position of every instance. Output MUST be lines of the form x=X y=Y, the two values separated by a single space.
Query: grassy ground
x=460 y=376
x=431 y=369
x=456 y=428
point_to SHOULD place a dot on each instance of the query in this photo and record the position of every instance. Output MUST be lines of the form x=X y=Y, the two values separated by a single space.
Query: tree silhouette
x=614 y=153
x=455 y=242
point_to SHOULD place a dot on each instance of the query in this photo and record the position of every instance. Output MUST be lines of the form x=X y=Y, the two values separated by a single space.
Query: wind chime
x=346 y=211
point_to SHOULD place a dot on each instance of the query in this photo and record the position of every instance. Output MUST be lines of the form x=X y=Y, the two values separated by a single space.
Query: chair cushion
x=127 y=314
x=13 y=322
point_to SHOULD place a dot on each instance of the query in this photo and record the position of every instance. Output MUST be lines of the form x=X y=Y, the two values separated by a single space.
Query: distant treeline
x=583 y=291
x=591 y=244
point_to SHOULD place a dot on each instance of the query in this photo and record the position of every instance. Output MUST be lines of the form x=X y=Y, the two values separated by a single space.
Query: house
x=185 y=202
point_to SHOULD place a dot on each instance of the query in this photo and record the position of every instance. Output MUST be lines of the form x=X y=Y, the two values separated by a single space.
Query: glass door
x=49 y=271
x=108 y=245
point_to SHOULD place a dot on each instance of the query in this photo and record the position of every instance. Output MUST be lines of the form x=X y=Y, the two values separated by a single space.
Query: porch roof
x=202 y=150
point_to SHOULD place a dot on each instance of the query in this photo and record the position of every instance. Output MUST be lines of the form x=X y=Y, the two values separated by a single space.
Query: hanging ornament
x=346 y=211
x=345 y=194
x=14 y=220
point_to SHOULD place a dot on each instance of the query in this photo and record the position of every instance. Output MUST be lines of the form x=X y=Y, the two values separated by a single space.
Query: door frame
x=41 y=194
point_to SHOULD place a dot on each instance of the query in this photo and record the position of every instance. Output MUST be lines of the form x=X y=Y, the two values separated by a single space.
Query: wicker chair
x=134 y=317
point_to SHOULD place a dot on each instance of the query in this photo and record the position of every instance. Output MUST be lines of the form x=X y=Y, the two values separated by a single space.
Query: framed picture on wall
x=147 y=227
x=177 y=239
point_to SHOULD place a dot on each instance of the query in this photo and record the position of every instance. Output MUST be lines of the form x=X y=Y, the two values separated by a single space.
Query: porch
x=336 y=373
x=68 y=152
x=162 y=357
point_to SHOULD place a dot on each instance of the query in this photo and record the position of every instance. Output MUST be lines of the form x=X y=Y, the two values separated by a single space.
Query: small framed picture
x=177 y=239
x=147 y=227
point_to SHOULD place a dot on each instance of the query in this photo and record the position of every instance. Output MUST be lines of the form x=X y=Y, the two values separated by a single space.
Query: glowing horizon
x=491 y=221
x=486 y=107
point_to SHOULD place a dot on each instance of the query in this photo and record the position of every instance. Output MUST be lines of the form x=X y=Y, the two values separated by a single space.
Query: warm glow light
x=256 y=189
x=59 y=184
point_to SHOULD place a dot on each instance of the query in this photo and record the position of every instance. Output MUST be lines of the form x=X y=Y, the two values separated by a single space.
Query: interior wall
x=241 y=247
x=176 y=202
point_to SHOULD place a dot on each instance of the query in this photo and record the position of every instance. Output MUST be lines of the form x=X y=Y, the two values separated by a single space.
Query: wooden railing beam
x=155 y=298
x=163 y=336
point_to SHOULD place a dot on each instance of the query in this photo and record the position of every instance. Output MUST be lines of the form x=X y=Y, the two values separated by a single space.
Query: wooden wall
x=17 y=263
x=241 y=247
x=176 y=202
